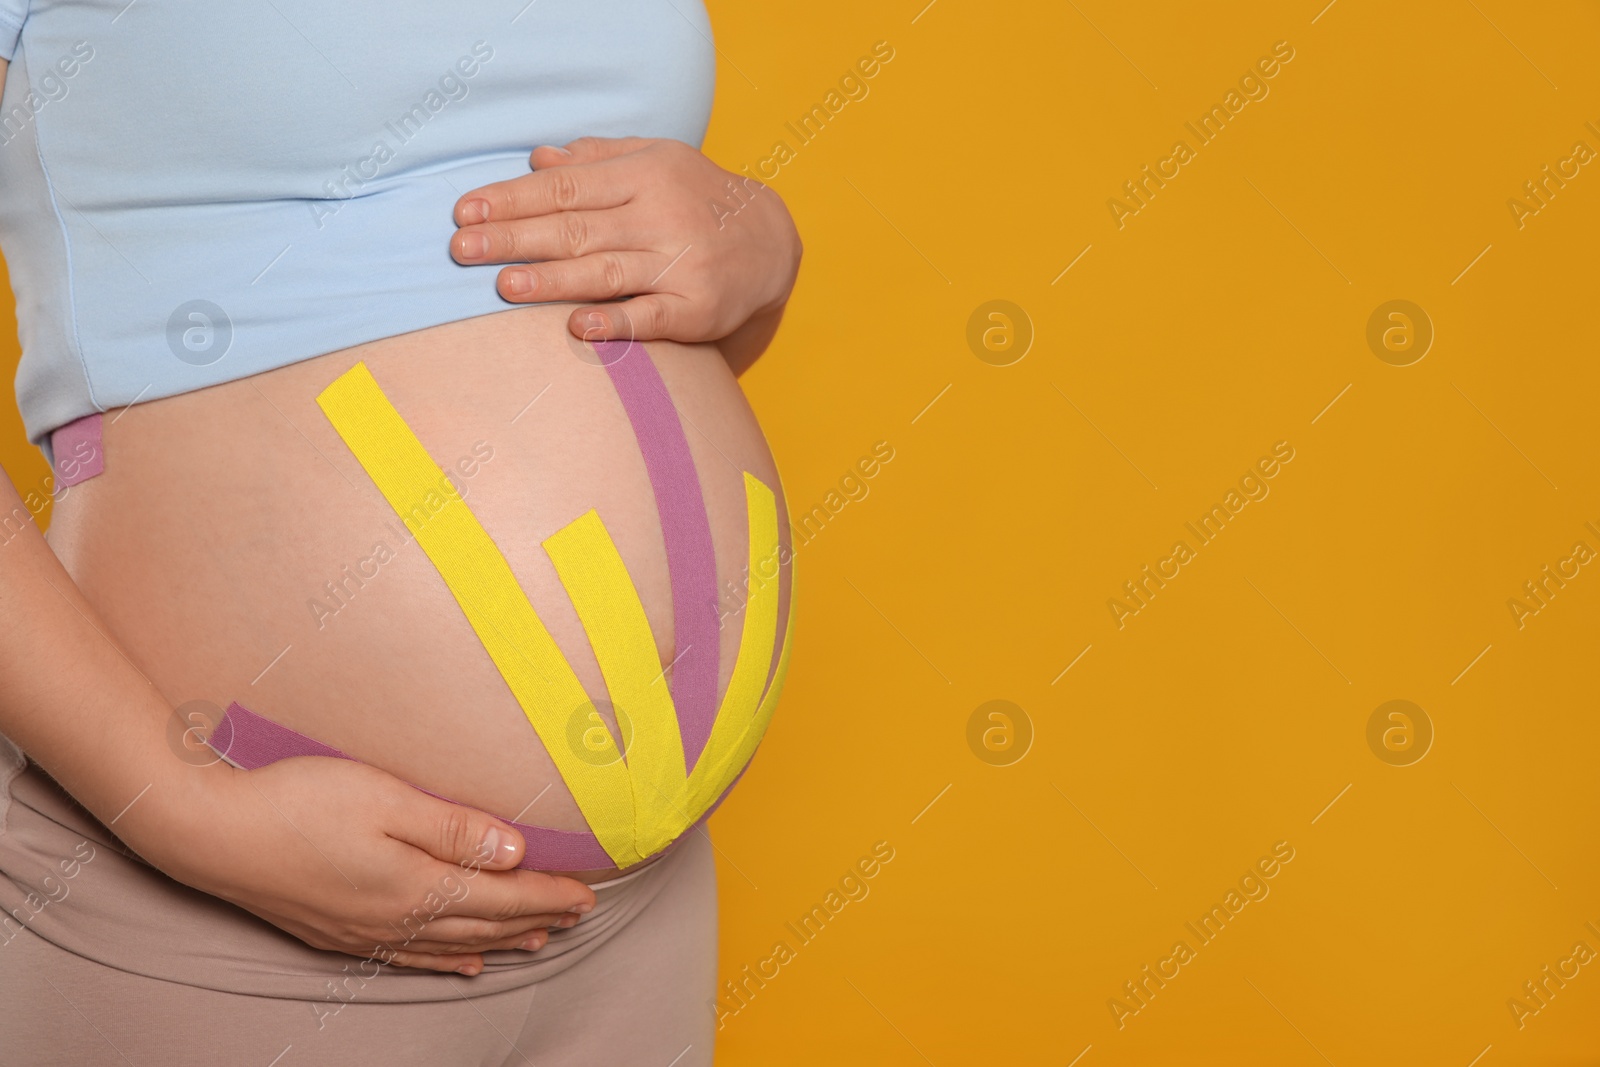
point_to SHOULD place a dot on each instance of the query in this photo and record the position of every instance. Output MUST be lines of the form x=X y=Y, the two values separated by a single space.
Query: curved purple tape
x=250 y=741
x=691 y=559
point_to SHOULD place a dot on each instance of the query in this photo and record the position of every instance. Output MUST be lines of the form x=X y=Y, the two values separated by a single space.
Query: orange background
x=1230 y=713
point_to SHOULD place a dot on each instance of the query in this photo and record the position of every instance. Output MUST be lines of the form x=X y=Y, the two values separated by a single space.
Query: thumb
x=651 y=317
x=458 y=834
x=585 y=150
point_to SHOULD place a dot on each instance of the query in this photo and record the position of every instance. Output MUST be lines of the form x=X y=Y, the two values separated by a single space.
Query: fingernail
x=566 y=921
x=493 y=843
x=533 y=944
x=582 y=909
x=473 y=245
x=467 y=969
x=519 y=282
x=556 y=148
x=476 y=210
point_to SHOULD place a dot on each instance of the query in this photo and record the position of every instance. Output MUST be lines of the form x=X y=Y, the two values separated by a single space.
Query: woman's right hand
x=347 y=857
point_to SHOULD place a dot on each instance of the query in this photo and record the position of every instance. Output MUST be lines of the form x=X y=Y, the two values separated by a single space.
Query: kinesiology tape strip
x=636 y=802
x=686 y=531
x=481 y=581
x=248 y=740
x=608 y=605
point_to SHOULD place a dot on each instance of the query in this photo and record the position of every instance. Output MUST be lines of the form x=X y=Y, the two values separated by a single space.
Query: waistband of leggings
x=66 y=878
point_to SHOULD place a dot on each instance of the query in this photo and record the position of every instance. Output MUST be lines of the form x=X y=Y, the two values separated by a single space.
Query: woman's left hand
x=704 y=253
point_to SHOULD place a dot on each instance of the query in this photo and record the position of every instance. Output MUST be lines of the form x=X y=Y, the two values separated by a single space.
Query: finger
x=564 y=235
x=586 y=150
x=456 y=834
x=527 y=941
x=462 y=933
x=468 y=963
x=504 y=896
x=531 y=939
x=652 y=317
x=573 y=188
x=449 y=956
x=602 y=276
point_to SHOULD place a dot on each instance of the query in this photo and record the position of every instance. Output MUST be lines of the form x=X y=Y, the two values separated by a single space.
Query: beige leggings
x=116 y=964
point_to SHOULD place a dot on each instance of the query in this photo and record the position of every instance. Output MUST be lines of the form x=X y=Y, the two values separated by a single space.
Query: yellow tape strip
x=482 y=583
x=746 y=749
x=719 y=778
x=591 y=569
x=740 y=704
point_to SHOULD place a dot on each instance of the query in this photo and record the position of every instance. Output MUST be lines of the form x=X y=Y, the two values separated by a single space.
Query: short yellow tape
x=719 y=778
x=480 y=579
x=746 y=749
x=741 y=703
x=607 y=602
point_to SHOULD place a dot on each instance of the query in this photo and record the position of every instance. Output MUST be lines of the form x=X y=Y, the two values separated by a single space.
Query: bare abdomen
x=238 y=551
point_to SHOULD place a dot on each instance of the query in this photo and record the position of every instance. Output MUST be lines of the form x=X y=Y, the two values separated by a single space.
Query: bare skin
x=209 y=543
x=184 y=570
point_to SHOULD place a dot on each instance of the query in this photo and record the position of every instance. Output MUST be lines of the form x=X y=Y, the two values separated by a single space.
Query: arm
x=703 y=253
x=80 y=708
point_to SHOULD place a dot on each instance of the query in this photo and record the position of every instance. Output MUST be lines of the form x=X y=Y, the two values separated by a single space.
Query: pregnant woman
x=348 y=463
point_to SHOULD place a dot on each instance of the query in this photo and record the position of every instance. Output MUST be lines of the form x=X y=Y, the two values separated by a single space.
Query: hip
x=67 y=882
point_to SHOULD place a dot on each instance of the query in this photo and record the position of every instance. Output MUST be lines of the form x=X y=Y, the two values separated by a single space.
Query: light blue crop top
x=194 y=191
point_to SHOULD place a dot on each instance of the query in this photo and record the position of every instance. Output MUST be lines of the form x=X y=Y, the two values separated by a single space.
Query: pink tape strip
x=78 y=451
x=691 y=559
x=250 y=741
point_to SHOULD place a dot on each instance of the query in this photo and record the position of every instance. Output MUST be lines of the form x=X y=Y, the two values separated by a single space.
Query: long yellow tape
x=740 y=704
x=591 y=569
x=634 y=807
x=482 y=583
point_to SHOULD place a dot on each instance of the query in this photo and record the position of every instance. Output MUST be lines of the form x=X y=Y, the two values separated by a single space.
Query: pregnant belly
x=238 y=549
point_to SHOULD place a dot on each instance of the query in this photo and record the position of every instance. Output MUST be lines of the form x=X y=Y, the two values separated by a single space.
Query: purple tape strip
x=250 y=741
x=78 y=451
x=691 y=559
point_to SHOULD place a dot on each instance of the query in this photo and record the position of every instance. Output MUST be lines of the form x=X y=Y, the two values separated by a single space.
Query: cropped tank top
x=195 y=191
